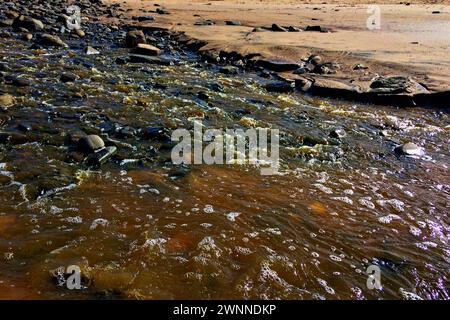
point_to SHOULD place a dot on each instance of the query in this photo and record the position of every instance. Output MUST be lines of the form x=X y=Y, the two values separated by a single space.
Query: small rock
x=294 y=29
x=91 y=51
x=80 y=33
x=99 y=222
x=139 y=58
x=277 y=28
x=315 y=59
x=217 y=87
x=6 y=23
x=100 y=157
x=162 y=11
x=156 y=133
x=203 y=96
x=28 y=23
x=259 y=29
x=233 y=23
x=6 y=100
x=360 y=66
x=145 y=18
x=338 y=133
x=204 y=23
x=277 y=65
x=18 y=81
x=51 y=40
x=326 y=68
x=316 y=28
x=68 y=77
x=409 y=149
x=230 y=70
x=279 y=86
x=147 y=49
x=24 y=127
x=90 y=143
x=134 y=37
x=27 y=36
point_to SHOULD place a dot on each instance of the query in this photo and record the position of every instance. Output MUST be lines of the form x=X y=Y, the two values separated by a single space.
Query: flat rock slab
x=139 y=58
x=277 y=65
x=147 y=50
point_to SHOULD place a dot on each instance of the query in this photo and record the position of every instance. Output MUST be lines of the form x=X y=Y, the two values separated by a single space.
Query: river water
x=140 y=227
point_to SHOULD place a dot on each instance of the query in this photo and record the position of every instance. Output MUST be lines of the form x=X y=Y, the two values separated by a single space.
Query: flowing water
x=141 y=227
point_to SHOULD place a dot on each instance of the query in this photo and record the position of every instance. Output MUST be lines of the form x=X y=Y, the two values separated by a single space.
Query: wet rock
x=147 y=49
x=229 y=70
x=278 y=28
x=68 y=77
x=91 y=51
x=294 y=29
x=4 y=180
x=203 y=96
x=28 y=23
x=24 y=127
x=11 y=14
x=338 y=133
x=217 y=87
x=90 y=143
x=51 y=41
x=280 y=86
x=6 y=100
x=156 y=133
x=259 y=29
x=6 y=34
x=233 y=23
x=395 y=84
x=139 y=58
x=315 y=59
x=27 y=37
x=18 y=81
x=134 y=37
x=409 y=149
x=390 y=265
x=360 y=66
x=301 y=70
x=100 y=157
x=126 y=132
x=332 y=88
x=206 y=22
x=162 y=11
x=277 y=65
x=122 y=60
x=80 y=33
x=326 y=68
x=6 y=23
x=4 y=67
x=145 y=18
x=316 y=29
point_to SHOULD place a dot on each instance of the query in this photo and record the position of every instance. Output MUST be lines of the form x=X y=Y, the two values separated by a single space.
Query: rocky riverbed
x=86 y=177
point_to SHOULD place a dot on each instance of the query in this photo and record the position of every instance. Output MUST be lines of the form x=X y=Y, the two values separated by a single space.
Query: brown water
x=215 y=232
